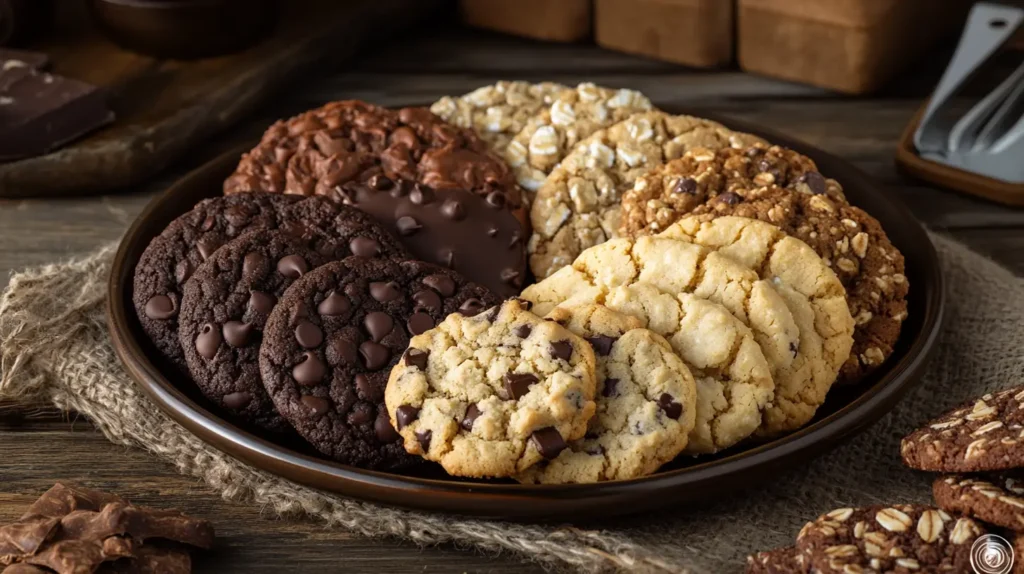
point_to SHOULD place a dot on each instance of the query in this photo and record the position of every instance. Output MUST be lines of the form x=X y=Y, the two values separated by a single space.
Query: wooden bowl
x=686 y=480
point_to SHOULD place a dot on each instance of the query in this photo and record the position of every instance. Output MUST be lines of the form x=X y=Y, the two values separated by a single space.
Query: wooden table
x=40 y=448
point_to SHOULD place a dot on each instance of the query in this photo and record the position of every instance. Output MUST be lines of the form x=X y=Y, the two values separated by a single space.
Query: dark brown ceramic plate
x=847 y=412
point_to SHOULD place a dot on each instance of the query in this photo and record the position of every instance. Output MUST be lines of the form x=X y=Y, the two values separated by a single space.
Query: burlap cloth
x=54 y=348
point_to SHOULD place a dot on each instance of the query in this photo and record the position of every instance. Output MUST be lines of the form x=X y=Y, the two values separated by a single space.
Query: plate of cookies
x=531 y=301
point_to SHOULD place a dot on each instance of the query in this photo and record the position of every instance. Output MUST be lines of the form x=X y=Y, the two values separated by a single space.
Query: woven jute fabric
x=55 y=349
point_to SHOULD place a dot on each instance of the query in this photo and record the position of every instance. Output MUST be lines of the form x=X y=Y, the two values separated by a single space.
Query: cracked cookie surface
x=494 y=394
x=646 y=402
x=578 y=204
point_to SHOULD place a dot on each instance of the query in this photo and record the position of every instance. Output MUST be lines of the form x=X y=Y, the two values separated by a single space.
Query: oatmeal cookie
x=995 y=500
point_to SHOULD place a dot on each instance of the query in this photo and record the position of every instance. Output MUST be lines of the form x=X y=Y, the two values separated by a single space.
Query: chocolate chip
x=160 y=307
x=367 y=388
x=421 y=195
x=453 y=209
x=518 y=384
x=295 y=229
x=334 y=304
x=492 y=231
x=384 y=291
x=523 y=331
x=424 y=439
x=440 y=283
x=561 y=350
x=673 y=409
x=471 y=306
x=686 y=185
x=299 y=314
x=378 y=325
x=209 y=340
x=405 y=415
x=345 y=350
x=512 y=277
x=729 y=198
x=235 y=401
x=237 y=333
x=375 y=355
x=308 y=335
x=292 y=266
x=407 y=225
x=416 y=358
x=492 y=314
x=379 y=182
x=310 y=371
x=359 y=415
x=815 y=181
x=364 y=247
x=317 y=406
x=427 y=299
x=610 y=388
x=206 y=246
x=261 y=302
x=548 y=441
x=254 y=264
x=496 y=199
x=470 y=417
x=383 y=429
x=419 y=323
x=602 y=344
x=516 y=239
x=237 y=216
x=182 y=271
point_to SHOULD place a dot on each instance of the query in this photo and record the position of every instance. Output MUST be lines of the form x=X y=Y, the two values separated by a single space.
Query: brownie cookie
x=332 y=339
x=494 y=394
x=317 y=151
x=578 y=204
x=174 y=255
x=224 y=309
x=896 y=538
x=478 y=237
x=779 y=561
x=986 y=434
x=337 y=230
x=646 y=403
x=999 y=501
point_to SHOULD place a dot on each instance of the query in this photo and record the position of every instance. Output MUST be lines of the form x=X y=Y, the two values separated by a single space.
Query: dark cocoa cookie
x=333 y=338
x=984 y=435
x=899 y=538
x=999 y=501
x=478 y=237
x=224 y=309
x=779 y=561
x=783 y=188
x=346 y=141
x=174 y=255
x=337 y=230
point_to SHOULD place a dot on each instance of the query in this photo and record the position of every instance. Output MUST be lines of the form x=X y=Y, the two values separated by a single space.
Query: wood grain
x=416 y=71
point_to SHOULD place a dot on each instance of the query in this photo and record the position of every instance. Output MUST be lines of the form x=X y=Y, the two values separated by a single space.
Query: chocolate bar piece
x=40 y=112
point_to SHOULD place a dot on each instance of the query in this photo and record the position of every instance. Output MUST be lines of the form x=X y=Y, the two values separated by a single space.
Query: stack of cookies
x=670 y=286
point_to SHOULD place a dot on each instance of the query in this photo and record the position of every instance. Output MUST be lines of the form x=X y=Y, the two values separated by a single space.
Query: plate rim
x=517 y=501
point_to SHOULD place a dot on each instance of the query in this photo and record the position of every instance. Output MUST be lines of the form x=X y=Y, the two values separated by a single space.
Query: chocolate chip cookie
x=494 y=394
x=896 y=538
x=330 y=342
x=171 y=258
x=995 y=500
x=224 y=309
x=578 y=204
x=646 y=402
x=985 y=434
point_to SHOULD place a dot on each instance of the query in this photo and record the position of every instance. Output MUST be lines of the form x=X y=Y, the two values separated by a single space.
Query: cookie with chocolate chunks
x=476 y=236
x=224 y=309
x=983 y=435
x=333 y=338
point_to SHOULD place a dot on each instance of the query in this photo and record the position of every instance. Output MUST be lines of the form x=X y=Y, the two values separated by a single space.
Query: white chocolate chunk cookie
x=492 y=395
x=578 y=205
x=500 y=111
x=733 y=378
x=573 y=115
x=799 y=274
x=646 y=403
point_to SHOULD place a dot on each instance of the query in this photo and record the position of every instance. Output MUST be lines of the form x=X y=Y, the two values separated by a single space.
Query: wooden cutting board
x=164 y=107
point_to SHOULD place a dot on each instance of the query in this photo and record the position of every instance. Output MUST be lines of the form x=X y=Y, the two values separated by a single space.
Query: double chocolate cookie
x=335 y=335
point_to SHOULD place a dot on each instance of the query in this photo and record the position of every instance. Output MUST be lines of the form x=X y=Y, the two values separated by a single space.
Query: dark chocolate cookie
x=174 y=255
x=224 y=309
x=996 y=500
x=984 y=435
x=333 y=338
x=478 y=237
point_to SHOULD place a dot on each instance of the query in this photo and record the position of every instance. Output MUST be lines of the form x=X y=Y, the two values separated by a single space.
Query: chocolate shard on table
x=40 y=112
